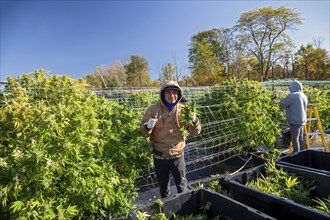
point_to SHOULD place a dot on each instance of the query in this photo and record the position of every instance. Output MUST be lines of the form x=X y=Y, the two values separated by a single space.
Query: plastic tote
x=315 y=160
x=192 y=201
x=273 y=205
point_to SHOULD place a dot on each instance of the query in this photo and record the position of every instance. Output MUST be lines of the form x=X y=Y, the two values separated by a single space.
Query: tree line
x=257 y=47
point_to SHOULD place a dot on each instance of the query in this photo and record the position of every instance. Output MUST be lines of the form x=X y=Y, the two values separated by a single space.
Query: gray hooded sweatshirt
x=295 y=104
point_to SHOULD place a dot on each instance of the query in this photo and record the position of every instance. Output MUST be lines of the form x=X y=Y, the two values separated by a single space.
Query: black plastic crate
x=273 y=205
x=228 y=166
x=192 y=201
x=259 y=160
x=315 y=160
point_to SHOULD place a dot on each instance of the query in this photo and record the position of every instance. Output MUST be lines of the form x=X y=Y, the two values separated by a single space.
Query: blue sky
x=74 y=37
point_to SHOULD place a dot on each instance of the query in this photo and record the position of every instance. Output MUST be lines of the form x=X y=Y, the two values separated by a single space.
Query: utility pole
x=293 y=67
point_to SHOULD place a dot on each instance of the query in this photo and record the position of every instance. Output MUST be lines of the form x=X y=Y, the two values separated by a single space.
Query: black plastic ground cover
x=191 y=202
x=274 y=205
x=315 y=160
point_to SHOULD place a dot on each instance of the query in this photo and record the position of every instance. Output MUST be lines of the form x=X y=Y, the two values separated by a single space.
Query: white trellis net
x=221 y=134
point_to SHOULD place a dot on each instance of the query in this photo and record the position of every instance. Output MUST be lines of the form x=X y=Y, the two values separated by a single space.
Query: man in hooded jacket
x=296 y=114
x=161 y=122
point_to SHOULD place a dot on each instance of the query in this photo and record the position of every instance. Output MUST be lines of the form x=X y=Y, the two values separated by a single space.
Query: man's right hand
x=151 y=123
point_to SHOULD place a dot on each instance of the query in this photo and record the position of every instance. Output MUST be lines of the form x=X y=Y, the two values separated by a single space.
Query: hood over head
x=170 y=85
x=295 y=86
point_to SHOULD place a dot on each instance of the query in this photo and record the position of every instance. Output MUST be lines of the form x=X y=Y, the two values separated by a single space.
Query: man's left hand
x=193 y=118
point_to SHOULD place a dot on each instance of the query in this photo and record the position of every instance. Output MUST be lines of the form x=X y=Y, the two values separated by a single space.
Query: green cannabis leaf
x=187 y=111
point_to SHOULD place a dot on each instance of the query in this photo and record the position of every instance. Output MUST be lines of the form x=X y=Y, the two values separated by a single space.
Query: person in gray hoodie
x=296 y=113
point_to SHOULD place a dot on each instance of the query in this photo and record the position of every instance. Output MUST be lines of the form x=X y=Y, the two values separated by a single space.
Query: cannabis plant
x=66 y=153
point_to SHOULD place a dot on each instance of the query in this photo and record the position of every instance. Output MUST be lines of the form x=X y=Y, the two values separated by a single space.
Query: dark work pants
x=297 y=137
x=177 y=167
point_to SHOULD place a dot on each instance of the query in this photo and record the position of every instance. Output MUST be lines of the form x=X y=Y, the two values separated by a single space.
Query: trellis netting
x=237 y=116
